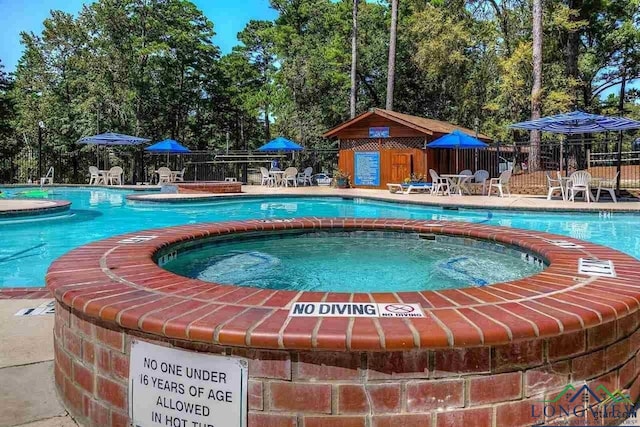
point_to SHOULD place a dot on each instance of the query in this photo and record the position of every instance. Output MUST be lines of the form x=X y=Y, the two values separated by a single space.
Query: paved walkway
x=530 y=202
x=27 y=392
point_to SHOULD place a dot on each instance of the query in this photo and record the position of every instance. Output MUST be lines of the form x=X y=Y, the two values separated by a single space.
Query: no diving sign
x=354 y=309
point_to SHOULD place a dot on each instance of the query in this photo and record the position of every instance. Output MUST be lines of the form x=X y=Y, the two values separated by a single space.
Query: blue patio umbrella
x=111 y=139
x=168 y=146
x=578 y=122
x=281 y=144
x=457 y=139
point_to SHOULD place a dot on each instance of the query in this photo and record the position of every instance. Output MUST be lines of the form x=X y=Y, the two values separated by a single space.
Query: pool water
x=350 y=262
x=27 y=248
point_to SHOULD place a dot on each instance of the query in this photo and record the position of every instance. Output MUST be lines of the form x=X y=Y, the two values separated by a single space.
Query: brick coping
x=344 y=194
x=117 y=281
x=31 y=207
x=24 y=293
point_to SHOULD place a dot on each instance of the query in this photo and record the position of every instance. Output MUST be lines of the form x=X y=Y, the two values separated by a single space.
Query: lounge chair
x=164 y=175
x=305 y=176
x=48 y=178
x=114 y=176
x=480 y=178
x=501 y=183
x=94 y=176
x=290 y=174
x=267 y=179
x=608 y=185
x=580 y=183
x=439 y=184
x=555 y=185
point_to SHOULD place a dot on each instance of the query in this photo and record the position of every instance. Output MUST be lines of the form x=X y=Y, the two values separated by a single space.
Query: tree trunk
x=536 y=90
x=391 y=71
x=572 y=49
x=267 y=124
x=354 y=60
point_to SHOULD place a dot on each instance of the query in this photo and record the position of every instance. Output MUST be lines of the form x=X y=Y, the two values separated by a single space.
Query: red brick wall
x=480 y=386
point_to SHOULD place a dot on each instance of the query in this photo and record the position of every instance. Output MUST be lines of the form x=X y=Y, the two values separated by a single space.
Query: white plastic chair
x=580 y=182
x=290 y=174
x=555 y=185
x=464 y=185
x=267 y=179
x=501 y=183
x=94 y=176
x=48 y=178
x=114 y=176
x=608 y=185
x=480 y=177
x=466 y=172
x=439 y=184
x=164 y=175
x=179 y=176
x=305 y=176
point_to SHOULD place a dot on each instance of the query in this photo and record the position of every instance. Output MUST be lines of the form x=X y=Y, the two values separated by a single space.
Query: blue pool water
x=350 y=262
x=27 y=248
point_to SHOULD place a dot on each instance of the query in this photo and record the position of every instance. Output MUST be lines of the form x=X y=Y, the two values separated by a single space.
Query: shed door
x=400 y=166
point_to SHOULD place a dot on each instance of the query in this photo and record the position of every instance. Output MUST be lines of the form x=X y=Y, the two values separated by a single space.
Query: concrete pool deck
x=515 y=202
x=27 y=394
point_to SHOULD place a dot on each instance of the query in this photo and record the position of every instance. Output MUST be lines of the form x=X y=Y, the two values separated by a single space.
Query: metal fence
x=601 y=159
x=72 y=167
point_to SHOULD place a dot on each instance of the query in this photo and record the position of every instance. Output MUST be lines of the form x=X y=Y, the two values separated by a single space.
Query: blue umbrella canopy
x=281 y=144
x=168 y=146
x=457 y=139
x=577 y=122
x=110 y=138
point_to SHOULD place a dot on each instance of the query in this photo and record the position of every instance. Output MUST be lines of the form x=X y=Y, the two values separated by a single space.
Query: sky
x=229 y=18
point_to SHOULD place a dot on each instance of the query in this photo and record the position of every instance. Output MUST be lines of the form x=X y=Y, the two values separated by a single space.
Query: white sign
x=354 y=309
x=177 y=388
x=44 y=308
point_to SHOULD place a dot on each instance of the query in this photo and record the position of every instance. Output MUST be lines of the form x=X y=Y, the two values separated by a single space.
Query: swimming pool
x=29 y=247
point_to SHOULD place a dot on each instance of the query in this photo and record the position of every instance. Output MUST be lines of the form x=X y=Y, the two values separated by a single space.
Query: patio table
x=102 y=173
x=277 y=177
x=457 y=182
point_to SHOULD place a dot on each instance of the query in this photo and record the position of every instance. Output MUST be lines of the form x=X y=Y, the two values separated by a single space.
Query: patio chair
x=501 y=183
x=164 y=175
x=555 y=185
x=608 y=185
x=439 y=184
x=580 y=183
x=94 y=176
x=48 y=178
x=179 y=176
x=480 y=178
x=267 y=179
x=465 y=185
x=114 y=176
x=305 y=176
x=290 y=174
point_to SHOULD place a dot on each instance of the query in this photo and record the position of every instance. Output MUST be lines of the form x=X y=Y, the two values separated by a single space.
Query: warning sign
x=354 y=309
x=177 y=388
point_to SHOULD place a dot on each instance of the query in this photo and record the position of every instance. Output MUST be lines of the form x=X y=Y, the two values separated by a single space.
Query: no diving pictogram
x=399 y=308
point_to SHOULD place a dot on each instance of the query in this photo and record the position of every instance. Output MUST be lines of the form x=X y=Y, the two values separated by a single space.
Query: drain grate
x=565 y=244
x=44 y=308
x=137 y=239
x=596 y=267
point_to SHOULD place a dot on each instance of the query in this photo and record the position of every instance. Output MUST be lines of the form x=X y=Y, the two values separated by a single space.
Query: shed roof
x=421 y=124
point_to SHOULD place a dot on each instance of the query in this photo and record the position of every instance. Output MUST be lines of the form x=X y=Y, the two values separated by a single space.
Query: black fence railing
x=139 y=166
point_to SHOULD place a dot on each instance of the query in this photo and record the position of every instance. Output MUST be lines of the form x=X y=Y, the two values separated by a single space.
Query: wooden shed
x=381 y=146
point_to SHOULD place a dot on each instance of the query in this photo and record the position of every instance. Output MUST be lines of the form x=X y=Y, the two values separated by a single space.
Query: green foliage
x=150 y=68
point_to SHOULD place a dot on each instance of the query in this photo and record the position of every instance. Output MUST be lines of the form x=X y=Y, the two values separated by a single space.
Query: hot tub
x=546 y=348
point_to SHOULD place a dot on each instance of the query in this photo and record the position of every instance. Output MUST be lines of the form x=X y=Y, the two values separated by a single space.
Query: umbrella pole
x=457 y=167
